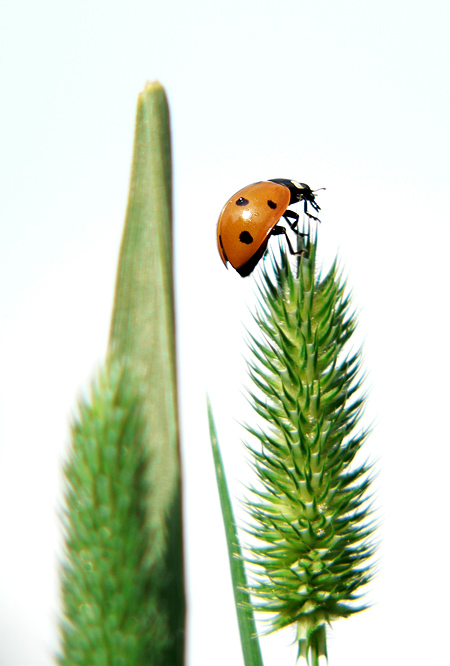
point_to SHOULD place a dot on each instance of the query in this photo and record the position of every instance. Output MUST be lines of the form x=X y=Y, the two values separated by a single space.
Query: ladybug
x=251 y=216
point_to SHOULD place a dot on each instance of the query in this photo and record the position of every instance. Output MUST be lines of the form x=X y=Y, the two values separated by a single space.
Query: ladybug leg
x=290 y=214
x=315 y=206
x=295 y=216
x=277 y=231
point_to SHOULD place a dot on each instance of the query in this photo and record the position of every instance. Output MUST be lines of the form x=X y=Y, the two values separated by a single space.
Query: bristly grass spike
x=311 y=516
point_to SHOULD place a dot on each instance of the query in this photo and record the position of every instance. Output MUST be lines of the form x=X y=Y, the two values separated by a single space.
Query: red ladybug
x=250 y=218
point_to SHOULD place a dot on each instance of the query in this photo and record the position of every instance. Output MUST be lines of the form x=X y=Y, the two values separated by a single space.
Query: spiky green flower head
x=310 y=515
x=109 y=578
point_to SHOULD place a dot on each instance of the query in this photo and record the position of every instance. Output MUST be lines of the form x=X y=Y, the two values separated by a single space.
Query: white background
x=350 y=95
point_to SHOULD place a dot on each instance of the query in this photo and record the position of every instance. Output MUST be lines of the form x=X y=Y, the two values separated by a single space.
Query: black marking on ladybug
x=245 y=237
x=242 y=201
x=271 y=204
x=247 y=268
x=223 y=249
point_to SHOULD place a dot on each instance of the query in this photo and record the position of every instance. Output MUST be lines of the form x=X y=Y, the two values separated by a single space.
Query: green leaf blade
x=143 y=333
x=247 y=627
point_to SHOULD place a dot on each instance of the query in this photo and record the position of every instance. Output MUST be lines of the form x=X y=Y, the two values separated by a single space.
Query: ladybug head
x=299 y=191
x=302 y=192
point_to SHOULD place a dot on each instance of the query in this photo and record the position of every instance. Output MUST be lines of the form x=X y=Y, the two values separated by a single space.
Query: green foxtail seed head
x=109 y=590
x=310 y=514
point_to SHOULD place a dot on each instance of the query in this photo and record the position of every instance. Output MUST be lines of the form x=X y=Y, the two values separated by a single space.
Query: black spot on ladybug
x=242 y=201
x=271 y=204
x=245 y=237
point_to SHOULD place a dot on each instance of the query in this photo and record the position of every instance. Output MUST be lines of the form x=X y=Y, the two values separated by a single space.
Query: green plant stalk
x=310 y=515
x=101 y=599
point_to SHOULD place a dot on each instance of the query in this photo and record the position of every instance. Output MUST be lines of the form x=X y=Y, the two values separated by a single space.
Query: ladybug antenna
x=320 y=188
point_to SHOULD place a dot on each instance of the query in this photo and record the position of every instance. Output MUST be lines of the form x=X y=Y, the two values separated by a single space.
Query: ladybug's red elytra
x=250 y=218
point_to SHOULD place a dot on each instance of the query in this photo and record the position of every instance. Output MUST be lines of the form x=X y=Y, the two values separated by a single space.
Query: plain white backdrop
x=352 y=96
